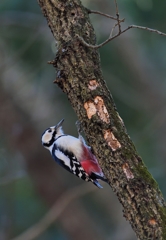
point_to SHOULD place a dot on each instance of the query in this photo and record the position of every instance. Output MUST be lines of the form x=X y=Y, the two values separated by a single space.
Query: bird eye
x=49 y=130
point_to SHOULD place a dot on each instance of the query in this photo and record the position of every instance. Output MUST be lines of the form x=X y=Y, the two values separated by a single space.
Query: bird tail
x=97 y=184
x=95 y=177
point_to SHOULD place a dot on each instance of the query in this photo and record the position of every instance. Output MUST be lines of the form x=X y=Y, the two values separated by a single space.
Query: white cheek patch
x=62 y=157
x=46 y=137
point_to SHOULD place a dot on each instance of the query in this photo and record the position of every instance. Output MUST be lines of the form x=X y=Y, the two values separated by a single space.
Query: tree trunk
x=79 y=75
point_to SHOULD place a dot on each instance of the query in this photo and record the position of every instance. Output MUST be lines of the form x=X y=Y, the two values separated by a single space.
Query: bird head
x=51 y=133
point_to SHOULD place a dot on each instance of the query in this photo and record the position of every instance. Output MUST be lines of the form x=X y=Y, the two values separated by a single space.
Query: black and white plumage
x=72 y=154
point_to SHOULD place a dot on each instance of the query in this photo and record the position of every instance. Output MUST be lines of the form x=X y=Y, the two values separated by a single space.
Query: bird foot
x=79 y=128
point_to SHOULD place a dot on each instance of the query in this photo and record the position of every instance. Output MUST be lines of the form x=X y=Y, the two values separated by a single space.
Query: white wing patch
x=72 y=144
x=74 y=168
x=80 y=175
x=63 y=157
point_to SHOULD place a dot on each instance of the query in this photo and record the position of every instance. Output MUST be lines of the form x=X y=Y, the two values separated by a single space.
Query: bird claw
x=79 y=128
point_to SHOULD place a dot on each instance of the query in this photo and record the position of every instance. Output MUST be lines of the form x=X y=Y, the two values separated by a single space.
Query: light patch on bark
x=97 y=106
x=127 y=171
x=111 y=140
x=93 y=84
x=90 y=109
x=101 y=109
x=152 y=222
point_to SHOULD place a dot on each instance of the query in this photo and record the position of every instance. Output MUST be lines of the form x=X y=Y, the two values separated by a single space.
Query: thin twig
x=105 y=15
x=57 y=209
x=111 y=34
x=118 y=34
x=147 y=29
x=99 y=45
x=117 y=14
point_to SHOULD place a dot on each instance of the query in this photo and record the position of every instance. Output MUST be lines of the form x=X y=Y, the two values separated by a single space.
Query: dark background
x=134 y=67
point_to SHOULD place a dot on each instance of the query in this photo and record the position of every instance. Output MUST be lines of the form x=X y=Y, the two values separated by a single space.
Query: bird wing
x=69 y=161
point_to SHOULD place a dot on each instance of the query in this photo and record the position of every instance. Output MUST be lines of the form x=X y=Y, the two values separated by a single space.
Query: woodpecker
x=73 y=154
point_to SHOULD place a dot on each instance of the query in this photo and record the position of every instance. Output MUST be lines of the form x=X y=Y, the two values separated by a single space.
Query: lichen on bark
x=77 y=65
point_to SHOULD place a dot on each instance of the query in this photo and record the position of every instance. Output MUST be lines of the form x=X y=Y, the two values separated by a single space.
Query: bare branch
x=117 y=14
x=118 y=34
x=57 y=209
x=147 y=29
x=119 y=21
x=103 y=43
x=105 y=15
x=111 y=34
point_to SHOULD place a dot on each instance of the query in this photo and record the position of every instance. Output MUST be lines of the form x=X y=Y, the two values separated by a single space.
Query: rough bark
x=79 y=75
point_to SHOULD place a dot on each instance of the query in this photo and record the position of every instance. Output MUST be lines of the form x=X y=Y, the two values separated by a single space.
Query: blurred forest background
x=134 y=67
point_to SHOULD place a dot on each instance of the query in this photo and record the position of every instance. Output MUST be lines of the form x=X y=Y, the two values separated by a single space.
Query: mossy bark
x=77 y=66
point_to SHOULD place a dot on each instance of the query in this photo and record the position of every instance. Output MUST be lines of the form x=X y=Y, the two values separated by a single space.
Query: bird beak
x=59 y=124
